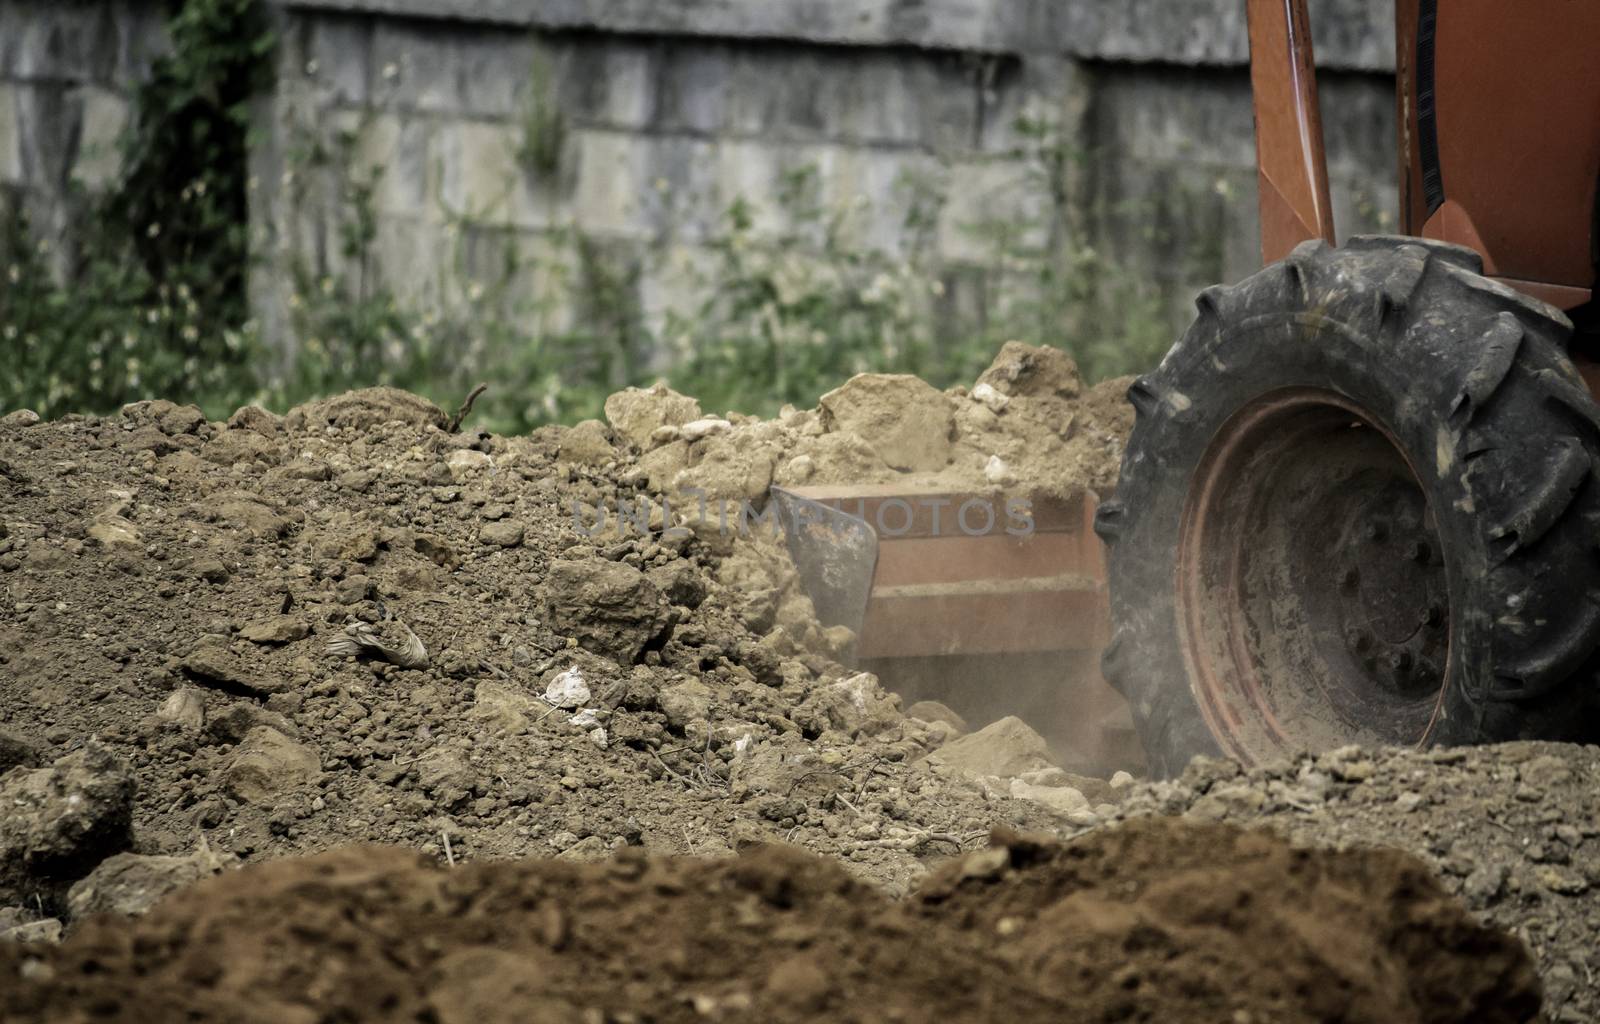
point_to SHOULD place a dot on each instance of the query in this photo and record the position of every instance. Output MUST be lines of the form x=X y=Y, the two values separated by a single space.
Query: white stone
x=705 y=427
x=568 y=690
x=1063 y=800
x=986 y=394
x=465 y=462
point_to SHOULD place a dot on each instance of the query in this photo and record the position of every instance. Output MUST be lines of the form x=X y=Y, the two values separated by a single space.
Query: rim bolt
x=1349 y=579
x=1377 y=532
x=1401 y=661
x=1420 y=552
x=1359 y=641
x=1427 y=670
x=1435 y=615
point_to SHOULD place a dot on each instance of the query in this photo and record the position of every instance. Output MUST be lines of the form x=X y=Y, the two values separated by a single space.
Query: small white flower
x=311 y=67
x=391 y=71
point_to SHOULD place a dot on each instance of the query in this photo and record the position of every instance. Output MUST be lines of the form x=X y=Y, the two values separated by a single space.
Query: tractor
x=1360 y=503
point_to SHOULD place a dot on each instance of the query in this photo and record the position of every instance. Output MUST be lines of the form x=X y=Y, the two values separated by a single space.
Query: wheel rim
x=1313 y=604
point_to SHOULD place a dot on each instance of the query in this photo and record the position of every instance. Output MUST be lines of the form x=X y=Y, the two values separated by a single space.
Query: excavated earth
x=230 y=645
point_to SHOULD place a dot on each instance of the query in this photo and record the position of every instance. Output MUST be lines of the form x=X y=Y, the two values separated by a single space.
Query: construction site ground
x=347 y=715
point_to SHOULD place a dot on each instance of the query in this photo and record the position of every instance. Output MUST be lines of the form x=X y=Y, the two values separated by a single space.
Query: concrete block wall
x=66 y=75
x=487 y=128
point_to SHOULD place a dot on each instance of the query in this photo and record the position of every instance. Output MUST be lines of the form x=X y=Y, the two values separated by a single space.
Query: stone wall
x=66 y=72
x=497 y=143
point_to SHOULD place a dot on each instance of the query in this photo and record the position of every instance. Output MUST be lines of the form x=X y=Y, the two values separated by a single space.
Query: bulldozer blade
x=836 y=555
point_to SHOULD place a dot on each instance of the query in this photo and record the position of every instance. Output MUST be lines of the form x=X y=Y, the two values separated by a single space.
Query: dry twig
x=466 y=409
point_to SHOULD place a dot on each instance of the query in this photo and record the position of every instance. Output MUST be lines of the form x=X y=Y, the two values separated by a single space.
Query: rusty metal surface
x=1329 y=619
x=1292 y=167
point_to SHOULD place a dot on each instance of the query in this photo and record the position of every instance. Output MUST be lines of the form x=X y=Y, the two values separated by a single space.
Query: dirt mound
x=346 y=624
x=1158 y=921
x=1028 y=426
x=1513 y=829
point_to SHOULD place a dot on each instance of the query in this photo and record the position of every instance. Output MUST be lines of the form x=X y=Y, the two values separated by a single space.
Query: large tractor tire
x=1359 y=505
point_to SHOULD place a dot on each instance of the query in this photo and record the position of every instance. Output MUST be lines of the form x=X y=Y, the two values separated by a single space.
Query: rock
x=586 y=444
x=685 y=702
x=854 y=706
x=19 y=418
x=681 y=582
x=1228 y=802
x=279 y=629
x=358 y=480
x=220 y=669
x=997 y=472
x=1121 y=780
x=184 y=708
x=906 y=420
x=114 y=531
x=268 y=764
x=211 y=570
x=800 y=469
x=436 y=550
x=1561 y=881
x=993 y=400
x=367 y=408
x=636 y=413
x=130 y=884
x=1483 y=886
x=1031 y=370
x=47 y=931
x=232 y=724
x=694 y=430
x=507 y=533
x=466 y=463
x=352 y=589
x=19 y=751
x=568 y=690
x=1545 y=772
x=230 y=447
x=185 y=419
x=1006 y=748
x=253 y=417
x=62 y=820
x=727 y=468
x=1063 y=800
x=934 y=711
x=502 y=707
x=610 y=607
x=662 y=465
x=250 y=515
x=445 y=770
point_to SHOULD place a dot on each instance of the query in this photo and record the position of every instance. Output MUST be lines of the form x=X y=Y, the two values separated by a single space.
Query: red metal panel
x=1291 y=164
x=1517 y=121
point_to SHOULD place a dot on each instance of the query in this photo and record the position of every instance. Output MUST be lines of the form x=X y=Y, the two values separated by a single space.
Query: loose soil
x=1158 y=921
x=227 y=644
